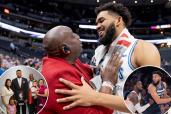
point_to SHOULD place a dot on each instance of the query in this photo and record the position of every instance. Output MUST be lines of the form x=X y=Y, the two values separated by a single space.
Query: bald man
x=63 y=48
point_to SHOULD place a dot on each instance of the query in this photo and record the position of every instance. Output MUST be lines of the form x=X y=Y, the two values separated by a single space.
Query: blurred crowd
x=7 y=61
x=165 y=62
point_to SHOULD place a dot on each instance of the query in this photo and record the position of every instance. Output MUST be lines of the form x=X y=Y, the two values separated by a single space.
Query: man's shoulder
x=24 y=78
x=55 y=70
x=49 y=62
x=14 y=79
x=151 y=86
x=4 y=88
x=142 y=44
x=99 y=48
x=164 y=84
x=146 y=53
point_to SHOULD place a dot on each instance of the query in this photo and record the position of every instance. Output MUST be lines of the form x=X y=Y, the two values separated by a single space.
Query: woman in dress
x=42 y=95
x=6 y=94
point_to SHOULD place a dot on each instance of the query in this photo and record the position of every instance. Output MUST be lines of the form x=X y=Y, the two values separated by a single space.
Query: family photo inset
x=148 y=91
x=23 y=90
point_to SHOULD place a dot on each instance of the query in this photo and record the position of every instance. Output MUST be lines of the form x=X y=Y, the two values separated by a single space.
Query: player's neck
x=119 y=30
x=159 y=83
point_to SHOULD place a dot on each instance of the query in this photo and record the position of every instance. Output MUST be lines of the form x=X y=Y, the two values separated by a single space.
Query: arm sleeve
x=3 y=92
x=140 y=108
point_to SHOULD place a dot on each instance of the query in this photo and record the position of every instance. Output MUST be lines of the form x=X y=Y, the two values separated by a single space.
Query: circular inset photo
x=148 y=91
x=23 y=90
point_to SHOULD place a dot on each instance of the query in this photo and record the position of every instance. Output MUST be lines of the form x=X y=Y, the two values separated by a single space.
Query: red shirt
x=55 y=68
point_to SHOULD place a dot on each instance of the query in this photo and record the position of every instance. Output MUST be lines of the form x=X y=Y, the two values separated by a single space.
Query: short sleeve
x=3 y=91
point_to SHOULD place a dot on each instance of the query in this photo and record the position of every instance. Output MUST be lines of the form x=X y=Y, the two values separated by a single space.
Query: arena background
x=23 y=24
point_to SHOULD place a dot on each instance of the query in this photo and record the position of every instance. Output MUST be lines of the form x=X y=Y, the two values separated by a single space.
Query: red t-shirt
x=55 y=68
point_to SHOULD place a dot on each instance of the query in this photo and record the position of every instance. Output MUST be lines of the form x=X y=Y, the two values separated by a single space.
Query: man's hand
x=79 y=95
x=110 y=73
x=133 y=98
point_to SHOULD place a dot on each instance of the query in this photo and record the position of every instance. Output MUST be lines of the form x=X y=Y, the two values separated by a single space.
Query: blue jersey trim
x=121 y=77
x=130 y=55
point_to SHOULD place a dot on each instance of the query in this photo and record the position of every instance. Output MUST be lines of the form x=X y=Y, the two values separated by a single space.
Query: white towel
x=120 y=45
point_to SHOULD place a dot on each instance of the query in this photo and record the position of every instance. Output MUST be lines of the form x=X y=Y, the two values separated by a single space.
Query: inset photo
x=148 y=91
x=23 y=90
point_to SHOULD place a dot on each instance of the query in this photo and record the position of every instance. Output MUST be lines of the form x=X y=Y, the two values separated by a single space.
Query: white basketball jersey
x=126 y=44
x=125 y=70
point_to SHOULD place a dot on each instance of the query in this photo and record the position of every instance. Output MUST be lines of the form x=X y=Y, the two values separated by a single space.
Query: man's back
x=55 y=68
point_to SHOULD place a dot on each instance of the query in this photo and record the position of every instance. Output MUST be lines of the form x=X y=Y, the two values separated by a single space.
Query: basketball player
x=156 y=90
x=112 y=22
x=134 y=98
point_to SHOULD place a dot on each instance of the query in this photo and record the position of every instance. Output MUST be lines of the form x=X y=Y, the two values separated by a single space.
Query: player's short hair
x=157 y=72
x=119 y=9
x=18 y=70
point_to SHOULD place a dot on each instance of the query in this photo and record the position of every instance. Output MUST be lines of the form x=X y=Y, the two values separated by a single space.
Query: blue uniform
x=155 y=108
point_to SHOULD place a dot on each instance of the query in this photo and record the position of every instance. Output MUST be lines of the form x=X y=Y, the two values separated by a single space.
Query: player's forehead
x=105 y=15
x=156 y=75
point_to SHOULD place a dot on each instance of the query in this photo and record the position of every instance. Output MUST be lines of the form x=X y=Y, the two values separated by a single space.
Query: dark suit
x=23 y=90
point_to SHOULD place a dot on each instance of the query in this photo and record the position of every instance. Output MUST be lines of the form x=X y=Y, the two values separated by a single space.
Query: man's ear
x=119 y=21
x=66 y=49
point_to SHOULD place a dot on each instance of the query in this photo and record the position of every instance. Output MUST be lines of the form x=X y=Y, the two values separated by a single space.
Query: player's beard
x=140 y=90
x=109 y=36
x=155 y=84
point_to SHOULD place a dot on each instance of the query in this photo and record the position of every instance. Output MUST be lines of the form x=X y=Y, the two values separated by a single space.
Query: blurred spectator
x=7 y=61
x=1 y=69
x=33 y=62
x=165 y=62
x=13 y=48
